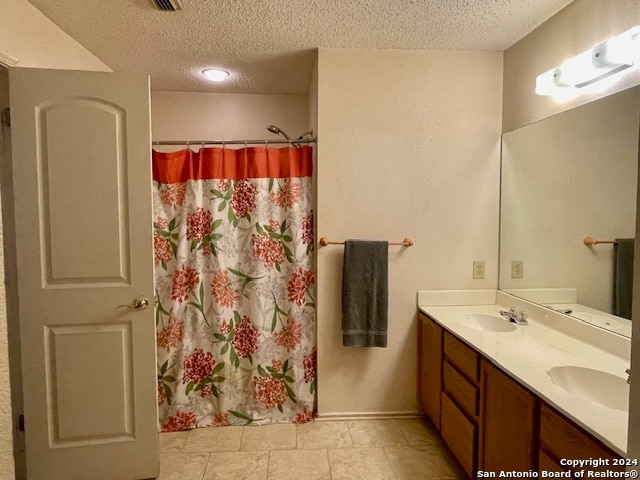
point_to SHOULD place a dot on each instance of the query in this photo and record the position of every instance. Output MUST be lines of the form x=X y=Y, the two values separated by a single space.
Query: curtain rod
x=233 y=142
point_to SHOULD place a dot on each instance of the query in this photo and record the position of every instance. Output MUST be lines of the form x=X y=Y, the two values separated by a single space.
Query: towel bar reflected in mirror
x=588 y=241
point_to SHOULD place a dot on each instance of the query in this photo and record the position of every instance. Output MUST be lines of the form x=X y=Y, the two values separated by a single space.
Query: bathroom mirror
x=567 y=177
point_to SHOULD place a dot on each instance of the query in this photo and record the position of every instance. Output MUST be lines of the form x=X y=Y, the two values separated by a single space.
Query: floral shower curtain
x=235 y=306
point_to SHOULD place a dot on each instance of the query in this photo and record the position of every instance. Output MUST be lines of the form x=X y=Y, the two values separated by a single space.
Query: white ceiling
x=268 y=45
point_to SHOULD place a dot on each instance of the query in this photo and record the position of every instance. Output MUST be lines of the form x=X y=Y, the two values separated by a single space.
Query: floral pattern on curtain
x=235 y=301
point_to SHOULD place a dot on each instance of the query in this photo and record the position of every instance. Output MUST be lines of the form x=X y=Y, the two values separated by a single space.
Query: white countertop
x=607 y=321
x=549 y=340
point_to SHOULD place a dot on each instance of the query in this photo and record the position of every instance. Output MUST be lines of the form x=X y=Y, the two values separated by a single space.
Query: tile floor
x=407 y=449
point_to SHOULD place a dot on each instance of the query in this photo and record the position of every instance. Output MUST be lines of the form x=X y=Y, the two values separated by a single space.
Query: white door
x=82 y=198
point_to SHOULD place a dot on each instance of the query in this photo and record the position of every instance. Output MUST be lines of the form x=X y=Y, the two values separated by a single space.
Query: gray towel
x=365 y=293
x=623 y=277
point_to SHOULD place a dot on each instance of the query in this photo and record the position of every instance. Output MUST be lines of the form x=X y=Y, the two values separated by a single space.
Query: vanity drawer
x=560 y=438
x=546 y=463
x=464 y=393
x=459 y=433
x=466 y=360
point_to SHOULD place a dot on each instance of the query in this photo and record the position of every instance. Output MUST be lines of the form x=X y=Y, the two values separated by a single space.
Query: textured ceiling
x=268 y=45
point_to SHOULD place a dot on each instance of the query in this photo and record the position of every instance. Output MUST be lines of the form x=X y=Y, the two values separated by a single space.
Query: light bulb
x=592 y=66
x=579 y=69
x=620 y=50
x=215 y=74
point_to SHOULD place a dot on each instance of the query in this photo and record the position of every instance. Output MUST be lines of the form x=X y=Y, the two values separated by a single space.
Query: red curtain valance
x=231 y=164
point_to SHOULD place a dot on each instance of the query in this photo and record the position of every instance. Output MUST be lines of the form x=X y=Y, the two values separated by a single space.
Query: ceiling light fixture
x=215 y=74
x=603 y=60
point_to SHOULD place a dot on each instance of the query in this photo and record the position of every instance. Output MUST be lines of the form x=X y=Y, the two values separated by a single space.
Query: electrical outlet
x=478 y=269
x=517 y=269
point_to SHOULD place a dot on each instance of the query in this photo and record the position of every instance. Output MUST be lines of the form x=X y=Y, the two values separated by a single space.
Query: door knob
x=139 y=303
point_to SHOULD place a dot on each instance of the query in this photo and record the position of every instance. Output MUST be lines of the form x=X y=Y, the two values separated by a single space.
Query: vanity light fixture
x=215 y=74
x=605 y=59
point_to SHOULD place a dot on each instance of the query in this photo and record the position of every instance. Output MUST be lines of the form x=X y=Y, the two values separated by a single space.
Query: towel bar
x=407 y=242
x=588 y=241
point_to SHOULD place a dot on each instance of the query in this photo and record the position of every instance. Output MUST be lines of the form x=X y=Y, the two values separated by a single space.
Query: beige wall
x=408 y=146
x=29 y=36
x=6 y=423
x=581 y=25
x=213 y=116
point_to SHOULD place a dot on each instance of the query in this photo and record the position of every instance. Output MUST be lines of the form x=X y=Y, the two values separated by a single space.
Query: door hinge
x=21 y=423
x=6 y=117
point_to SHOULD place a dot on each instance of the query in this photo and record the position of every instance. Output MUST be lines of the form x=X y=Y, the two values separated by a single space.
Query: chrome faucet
x=519 y=318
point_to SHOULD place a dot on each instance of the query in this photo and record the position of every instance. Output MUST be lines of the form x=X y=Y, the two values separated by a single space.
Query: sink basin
x=596 y=386
x=484 y=322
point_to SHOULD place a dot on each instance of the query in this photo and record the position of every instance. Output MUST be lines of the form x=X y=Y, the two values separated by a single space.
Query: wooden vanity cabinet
x=431 y=335
x=490 y=421
x=561 y=438
x=507 y=423
x=459 y=400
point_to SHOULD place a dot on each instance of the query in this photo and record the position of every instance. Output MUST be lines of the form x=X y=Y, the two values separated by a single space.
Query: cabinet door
x=430 y=368
x=561 y=438
x=505 y=405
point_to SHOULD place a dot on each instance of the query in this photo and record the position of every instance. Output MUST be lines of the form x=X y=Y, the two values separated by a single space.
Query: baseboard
x=320 y=417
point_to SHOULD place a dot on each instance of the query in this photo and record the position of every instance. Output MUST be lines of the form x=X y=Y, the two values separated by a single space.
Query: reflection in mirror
x=567 y=177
